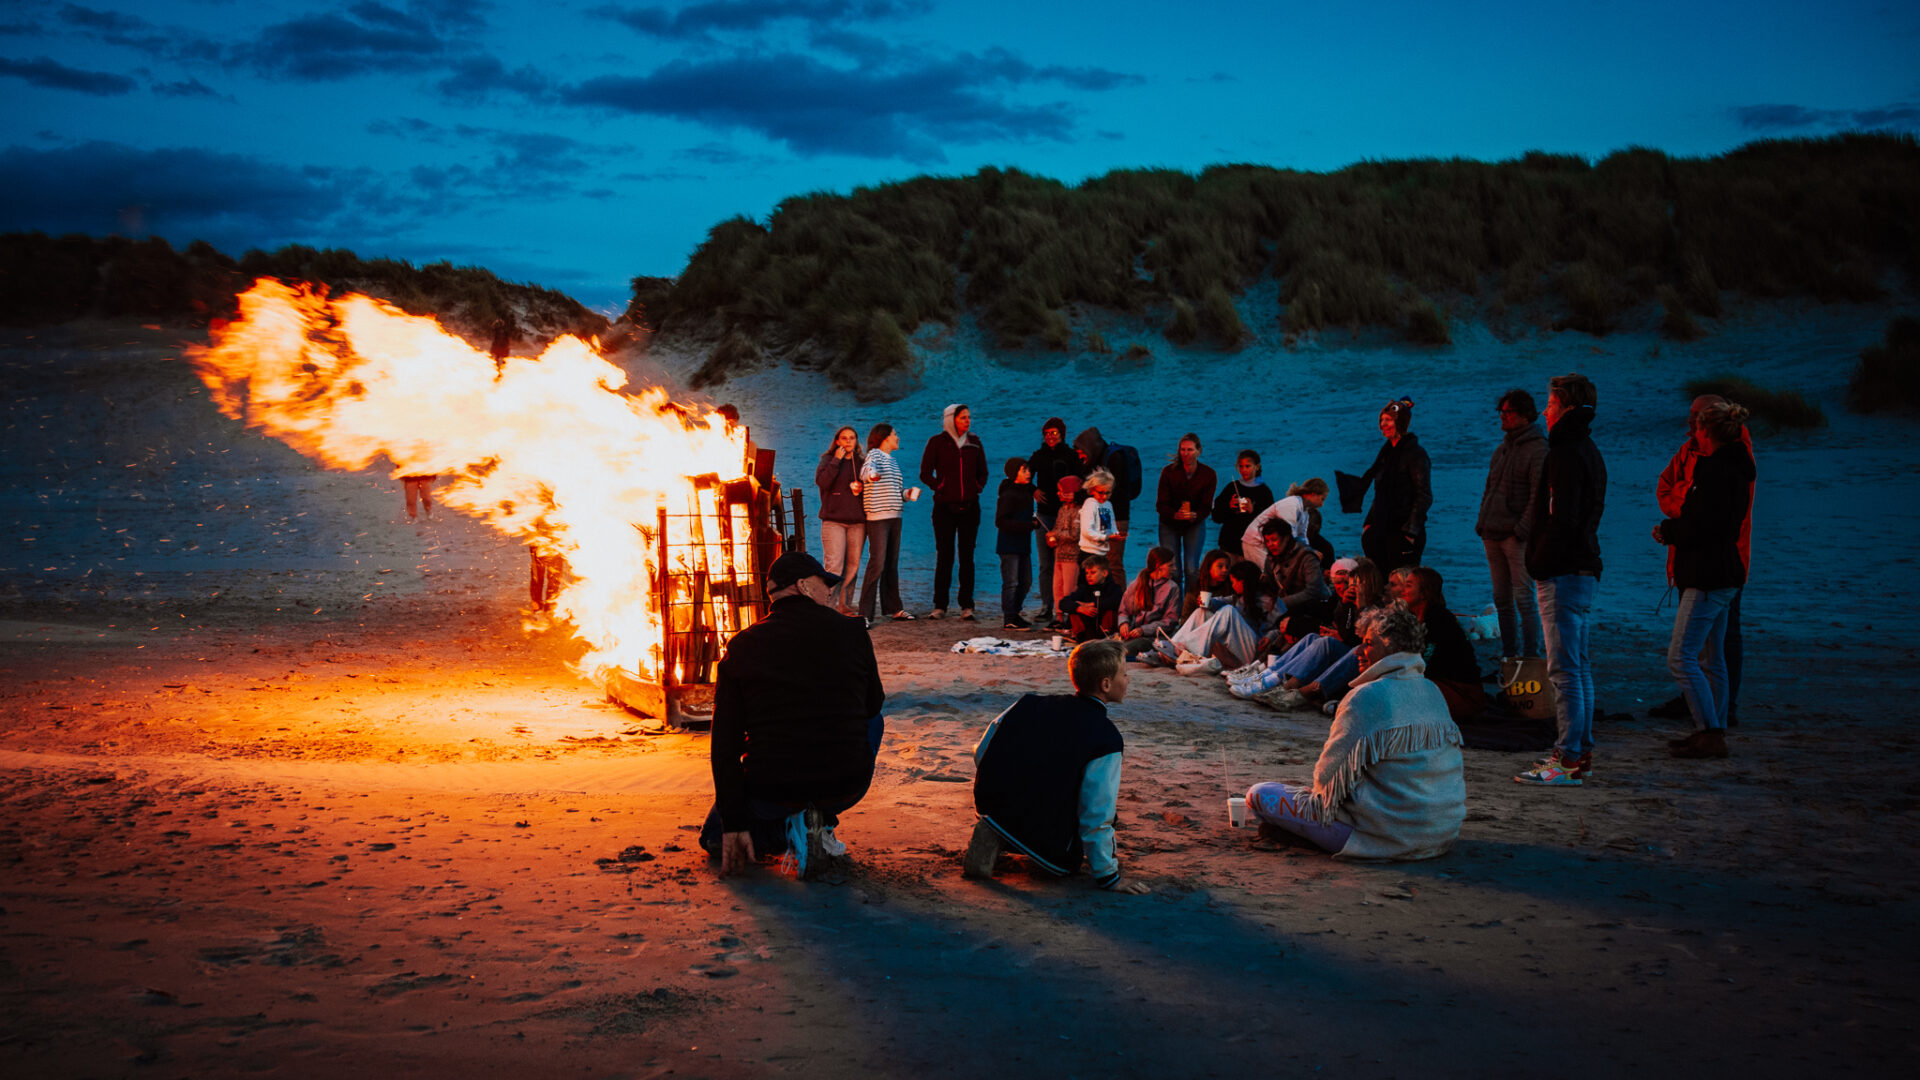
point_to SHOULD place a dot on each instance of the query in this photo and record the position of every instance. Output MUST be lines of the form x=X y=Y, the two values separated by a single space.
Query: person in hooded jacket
x=1563 y=555
x=1395 y=531
x=1506 y=518
x=1709 y=572
x=954 y=468
x=1048 y=464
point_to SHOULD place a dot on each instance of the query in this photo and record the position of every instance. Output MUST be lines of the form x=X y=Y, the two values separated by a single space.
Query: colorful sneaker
x=1555 y=772
x=982 y=850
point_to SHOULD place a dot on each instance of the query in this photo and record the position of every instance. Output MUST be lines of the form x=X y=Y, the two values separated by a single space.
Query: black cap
x=795 y=565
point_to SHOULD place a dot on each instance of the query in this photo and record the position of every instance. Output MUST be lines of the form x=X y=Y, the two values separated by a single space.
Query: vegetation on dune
x=1888 y=375
x=47 y=279
x=1389 y=244
x=1776 y=410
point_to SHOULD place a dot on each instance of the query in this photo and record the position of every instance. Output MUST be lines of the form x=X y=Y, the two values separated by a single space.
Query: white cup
x=912 y=494
x=1237 y=811
x=1059 y=642
x=1205 y=598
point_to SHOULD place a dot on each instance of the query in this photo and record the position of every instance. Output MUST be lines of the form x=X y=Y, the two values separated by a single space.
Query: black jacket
x=1233 y=523
x=1029 y=780
x=1048 y=464
x=1706 y=536
x=1573 y=494
x=954 y=475
x=790 y=709
x=1401 y=475
x=1013 y=518
x=1449 y=654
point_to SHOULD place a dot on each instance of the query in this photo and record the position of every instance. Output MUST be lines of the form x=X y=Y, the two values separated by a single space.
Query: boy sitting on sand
x=1092 y=608
x=1047 y=780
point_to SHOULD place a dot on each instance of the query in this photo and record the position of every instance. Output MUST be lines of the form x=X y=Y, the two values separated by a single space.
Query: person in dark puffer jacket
x=1506 y=519
x=1395 y=531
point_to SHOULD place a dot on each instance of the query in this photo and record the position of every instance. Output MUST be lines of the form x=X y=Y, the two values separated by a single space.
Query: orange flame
x=551 y=450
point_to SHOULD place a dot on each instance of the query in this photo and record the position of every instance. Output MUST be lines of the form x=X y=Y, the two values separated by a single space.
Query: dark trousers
x=1390 y=550
x=1090 y=628
x=769 y=827
x=883 y=567
x=954 y=524
x=1016 y=578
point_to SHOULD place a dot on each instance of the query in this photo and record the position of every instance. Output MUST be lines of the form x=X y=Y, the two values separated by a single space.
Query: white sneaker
x=831 y=844
x=1246 y=671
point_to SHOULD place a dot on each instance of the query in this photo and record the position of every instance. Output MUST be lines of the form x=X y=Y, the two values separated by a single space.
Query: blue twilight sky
x=577 y=143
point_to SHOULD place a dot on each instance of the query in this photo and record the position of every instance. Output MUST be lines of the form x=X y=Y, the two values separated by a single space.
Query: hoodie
x=1094 y=448
x=954 y=467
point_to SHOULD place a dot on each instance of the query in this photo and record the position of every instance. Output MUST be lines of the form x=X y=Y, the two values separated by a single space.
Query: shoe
x=1208 y=666
x=1045 y=616
x=1674 y=708
x=982 y=850
x=1710 y=743
x=1554 y=773
x=966 y=614
x=814 y=855
x=1281 y=700
x=903 y=616
x=1578 y=768
x=1154 y=658
x=1246 y=671
x=937 y=613
x=1168 y=650
x=1015 y=622
x=831 y=844
x=796 y=844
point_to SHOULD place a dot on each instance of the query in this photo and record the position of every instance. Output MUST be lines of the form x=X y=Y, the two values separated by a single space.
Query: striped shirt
x=880 y=486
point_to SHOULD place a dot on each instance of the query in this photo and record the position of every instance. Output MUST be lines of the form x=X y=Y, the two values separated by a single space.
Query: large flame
x=551 y=449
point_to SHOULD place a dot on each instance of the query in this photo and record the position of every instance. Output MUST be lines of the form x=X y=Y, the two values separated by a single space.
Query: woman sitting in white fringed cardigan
x=1388 y=784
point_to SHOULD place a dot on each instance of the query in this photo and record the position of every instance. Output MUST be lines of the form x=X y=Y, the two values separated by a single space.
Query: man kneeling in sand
x=796 y=725
x=1047 y=776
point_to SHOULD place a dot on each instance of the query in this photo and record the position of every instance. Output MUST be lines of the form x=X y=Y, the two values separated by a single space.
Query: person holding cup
x=843 y=520
x=1185 y=494
x=881 y=497
x=1241 y=500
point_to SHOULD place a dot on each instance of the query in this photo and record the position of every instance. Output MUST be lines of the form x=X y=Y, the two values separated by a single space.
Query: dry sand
x=396 y=836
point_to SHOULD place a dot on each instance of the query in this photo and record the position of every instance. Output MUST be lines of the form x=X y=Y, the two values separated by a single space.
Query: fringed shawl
x=1391 y=766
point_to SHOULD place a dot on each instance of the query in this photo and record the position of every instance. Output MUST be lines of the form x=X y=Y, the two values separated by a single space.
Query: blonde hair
x=1099 y=478
x=1094 y=662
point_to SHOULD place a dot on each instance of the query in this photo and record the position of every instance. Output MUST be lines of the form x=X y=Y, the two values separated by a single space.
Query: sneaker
x=831 y=844
x=1283 y=700
x=813 y=854
x=1553 y=773
x=1015 y=622
x=937 y=613
x=1154 y=658
x=982 y=850
x=1167 y=650
x=1710 y=743
x=1208 y=666
x=1246 y=671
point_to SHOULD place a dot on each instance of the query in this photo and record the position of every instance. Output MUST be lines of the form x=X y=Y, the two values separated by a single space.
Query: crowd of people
x=1277 y=613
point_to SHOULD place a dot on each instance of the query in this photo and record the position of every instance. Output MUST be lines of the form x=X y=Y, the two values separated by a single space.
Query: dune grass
x=1389 y=244
x=1887 y=379
x=1775 y=410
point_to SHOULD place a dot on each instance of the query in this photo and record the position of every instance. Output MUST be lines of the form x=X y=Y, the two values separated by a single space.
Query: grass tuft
x=1778 y=410
x=1887 y=379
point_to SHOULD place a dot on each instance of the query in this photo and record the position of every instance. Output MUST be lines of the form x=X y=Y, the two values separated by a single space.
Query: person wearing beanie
x=1395 y=531
x=1054 y=460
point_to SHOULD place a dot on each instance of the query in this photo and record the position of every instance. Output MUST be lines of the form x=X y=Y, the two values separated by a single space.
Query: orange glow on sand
x=554 y=450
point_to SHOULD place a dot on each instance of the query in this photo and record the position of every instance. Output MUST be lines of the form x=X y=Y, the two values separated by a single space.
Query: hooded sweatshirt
x=1090 y=444
x=954 y=467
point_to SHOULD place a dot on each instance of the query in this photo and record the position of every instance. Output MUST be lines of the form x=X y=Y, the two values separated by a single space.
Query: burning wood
x=653 y=506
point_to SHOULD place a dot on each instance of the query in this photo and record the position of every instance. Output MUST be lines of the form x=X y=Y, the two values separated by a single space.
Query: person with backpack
x=1123 y=462
x=1054 y=460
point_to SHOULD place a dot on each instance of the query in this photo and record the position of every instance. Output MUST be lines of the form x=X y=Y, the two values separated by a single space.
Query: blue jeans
x=1188 y=543
x=1566 y=605
x=1272 y=802
x=1696 y=654
x=1016 y=577
x=1339 y=675
x=1513 y=596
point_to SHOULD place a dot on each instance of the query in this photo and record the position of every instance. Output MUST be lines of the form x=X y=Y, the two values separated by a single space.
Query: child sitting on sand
x=1047 y=776
x=1095 y=605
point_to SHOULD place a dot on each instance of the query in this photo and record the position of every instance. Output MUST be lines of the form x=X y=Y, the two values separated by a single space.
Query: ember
x=652 y=506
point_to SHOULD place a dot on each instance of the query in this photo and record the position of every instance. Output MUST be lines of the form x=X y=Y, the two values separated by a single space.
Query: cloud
x=1900 y=116
x=134 y=32
x=904 y=113
x=476 y=78
x=101 y=187
x=53 y=75
x=188 y=89
x=700 y=22
x=500 y=164
x=369 y=37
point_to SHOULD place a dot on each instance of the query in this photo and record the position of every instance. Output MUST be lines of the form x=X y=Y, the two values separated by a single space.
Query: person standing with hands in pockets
x=954 y=468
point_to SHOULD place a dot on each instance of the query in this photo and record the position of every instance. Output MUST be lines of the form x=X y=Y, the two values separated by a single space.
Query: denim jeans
x=1696 y=653
x=840 y=554
x=954 y=526
x=1272 y=802
x=1566 y=605
x=1513 y=596
x=1016 y=577
x=1188 y=543
x=883 y=567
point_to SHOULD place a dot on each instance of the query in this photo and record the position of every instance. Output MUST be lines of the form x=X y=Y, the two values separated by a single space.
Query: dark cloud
x=189 y=88
x=54 y=75
x=813 y=108
x=1005 y=65
x=182 y=193
x=703 y=21
x=369 y=37
x=477 y=78
x=1900 y=116
x=134 y=32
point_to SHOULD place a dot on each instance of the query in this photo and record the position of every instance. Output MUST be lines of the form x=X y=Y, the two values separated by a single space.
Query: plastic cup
x=1237 y=811
x=1205 y=598
x=1059 y=642
x=913 y=494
